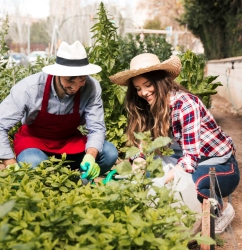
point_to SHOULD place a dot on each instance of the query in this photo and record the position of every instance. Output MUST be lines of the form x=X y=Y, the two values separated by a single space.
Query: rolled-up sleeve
x=11 y=112
x=186 y=129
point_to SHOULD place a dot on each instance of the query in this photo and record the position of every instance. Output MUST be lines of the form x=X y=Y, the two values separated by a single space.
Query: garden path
x=230 y=121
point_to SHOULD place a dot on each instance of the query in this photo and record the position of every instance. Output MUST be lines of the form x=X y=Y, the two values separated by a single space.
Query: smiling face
x=71 y=85
x=144 y=88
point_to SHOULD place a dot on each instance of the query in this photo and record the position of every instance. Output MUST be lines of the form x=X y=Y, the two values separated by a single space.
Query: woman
x=156 y=103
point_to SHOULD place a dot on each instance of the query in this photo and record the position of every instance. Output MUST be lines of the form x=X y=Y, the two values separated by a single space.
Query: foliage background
x=217 y=23
x=53 y=210
x=113 y=53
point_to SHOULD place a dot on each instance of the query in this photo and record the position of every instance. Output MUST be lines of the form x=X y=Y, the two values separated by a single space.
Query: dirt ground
x=230 y=121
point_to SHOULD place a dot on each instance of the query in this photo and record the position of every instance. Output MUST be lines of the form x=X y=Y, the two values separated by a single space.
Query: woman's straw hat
x=147 y=62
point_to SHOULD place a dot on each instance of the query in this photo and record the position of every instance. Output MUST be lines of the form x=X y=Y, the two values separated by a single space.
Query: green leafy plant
x=134 y=45
x=4 y=31
x=53 y=210
x=193 y=79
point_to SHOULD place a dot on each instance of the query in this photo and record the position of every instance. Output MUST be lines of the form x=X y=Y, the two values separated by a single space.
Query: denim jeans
x=227 y=178
x=105 y=159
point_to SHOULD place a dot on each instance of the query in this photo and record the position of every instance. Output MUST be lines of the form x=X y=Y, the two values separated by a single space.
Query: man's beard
x=65 y=90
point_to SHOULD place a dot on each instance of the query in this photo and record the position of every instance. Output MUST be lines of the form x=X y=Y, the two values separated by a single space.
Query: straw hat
x=71 y=60
x=147 y=62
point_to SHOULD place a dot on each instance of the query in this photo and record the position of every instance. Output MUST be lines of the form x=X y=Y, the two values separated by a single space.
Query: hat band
x=70 y=62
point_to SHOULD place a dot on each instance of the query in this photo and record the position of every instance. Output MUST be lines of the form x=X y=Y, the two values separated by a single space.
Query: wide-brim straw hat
x=71 y=60
x=147 y=62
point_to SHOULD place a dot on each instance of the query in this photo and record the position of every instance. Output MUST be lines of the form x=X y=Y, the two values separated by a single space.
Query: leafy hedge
x=49 y=208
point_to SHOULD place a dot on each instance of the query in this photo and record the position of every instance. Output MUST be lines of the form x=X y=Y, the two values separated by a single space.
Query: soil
x=230 y=121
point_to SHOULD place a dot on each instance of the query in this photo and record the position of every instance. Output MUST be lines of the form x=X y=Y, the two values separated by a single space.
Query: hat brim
x=172 y=66
x=61 y=70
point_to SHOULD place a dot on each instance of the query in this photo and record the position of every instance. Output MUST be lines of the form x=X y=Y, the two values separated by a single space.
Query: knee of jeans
x=108 y=157
x=32 y=156
x=110 y=152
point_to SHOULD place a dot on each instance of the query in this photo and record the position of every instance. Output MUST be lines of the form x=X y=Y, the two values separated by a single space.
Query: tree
x=218 y=25
x=39 y=34
x=168 y=12
x=154 y=24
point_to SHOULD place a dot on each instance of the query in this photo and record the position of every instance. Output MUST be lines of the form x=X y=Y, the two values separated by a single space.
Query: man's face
x=71 y=85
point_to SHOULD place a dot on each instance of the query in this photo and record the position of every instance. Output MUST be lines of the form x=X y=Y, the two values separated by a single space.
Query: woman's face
x=144 y=88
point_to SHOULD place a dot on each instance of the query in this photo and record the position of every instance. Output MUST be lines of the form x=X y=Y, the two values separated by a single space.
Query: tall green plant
x=193 y=79
x=105 y=52
x=113 y=54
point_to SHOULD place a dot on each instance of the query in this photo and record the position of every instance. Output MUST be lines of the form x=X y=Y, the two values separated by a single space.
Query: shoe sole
x=222 y=230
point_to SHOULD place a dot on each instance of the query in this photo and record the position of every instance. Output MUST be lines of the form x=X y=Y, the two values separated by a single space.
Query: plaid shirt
x=196 y=131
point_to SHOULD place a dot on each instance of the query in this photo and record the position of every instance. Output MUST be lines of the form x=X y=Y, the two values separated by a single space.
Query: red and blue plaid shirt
x=196 y=131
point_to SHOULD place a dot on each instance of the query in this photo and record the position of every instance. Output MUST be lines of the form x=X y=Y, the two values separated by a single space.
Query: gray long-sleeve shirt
x=25 y=100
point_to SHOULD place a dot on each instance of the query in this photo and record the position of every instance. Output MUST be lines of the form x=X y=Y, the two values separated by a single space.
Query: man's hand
x=14 y=166
x=90 y=168
x=7 y=162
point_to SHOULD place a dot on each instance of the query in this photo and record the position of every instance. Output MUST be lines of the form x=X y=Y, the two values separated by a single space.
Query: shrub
x=193 y=79
x=53 y=210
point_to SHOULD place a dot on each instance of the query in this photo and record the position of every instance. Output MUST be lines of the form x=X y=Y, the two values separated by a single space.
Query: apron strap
x=77 y=99
x=46 y=94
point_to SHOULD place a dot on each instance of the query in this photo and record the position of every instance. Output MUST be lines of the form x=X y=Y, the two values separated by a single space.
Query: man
x=51 y=105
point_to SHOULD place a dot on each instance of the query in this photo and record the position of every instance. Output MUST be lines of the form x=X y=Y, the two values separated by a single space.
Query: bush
x=53 y=210
x=193 y=79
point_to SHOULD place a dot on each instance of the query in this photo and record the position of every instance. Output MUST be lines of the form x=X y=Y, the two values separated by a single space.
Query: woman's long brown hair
x=156 y=117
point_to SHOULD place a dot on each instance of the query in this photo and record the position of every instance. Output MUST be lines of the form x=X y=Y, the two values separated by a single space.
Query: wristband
x=139 y=155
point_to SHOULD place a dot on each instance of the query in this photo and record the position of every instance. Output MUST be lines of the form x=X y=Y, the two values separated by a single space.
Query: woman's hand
x=138 y=164
x=170 y=174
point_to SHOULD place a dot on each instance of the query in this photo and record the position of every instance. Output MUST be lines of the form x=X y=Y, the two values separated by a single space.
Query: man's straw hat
x=147 y=62
x=71 y=60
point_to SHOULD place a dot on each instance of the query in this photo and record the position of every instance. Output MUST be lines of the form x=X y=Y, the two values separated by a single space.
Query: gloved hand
x=90 y=168
x=109 y=177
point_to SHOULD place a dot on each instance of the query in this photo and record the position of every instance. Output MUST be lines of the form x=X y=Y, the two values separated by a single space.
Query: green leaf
x=15 y=229
x=158 y=143
x=131 y=152
x=204 y=240
x=139 y=136
x=23 y=224
x=124 y=168
x=139 y=241
x=6 y=207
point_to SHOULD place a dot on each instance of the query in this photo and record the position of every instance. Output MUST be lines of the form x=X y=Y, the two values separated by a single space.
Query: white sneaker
x=224 y=219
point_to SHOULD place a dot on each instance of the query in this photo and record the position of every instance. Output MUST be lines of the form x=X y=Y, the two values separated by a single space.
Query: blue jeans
x=226 y=180
x=105 y=159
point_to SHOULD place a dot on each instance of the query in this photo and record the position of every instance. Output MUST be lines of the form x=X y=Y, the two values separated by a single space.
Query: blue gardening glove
x=90 y=168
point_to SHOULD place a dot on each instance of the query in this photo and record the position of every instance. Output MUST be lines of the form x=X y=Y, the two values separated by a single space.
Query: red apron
x=52 y=133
